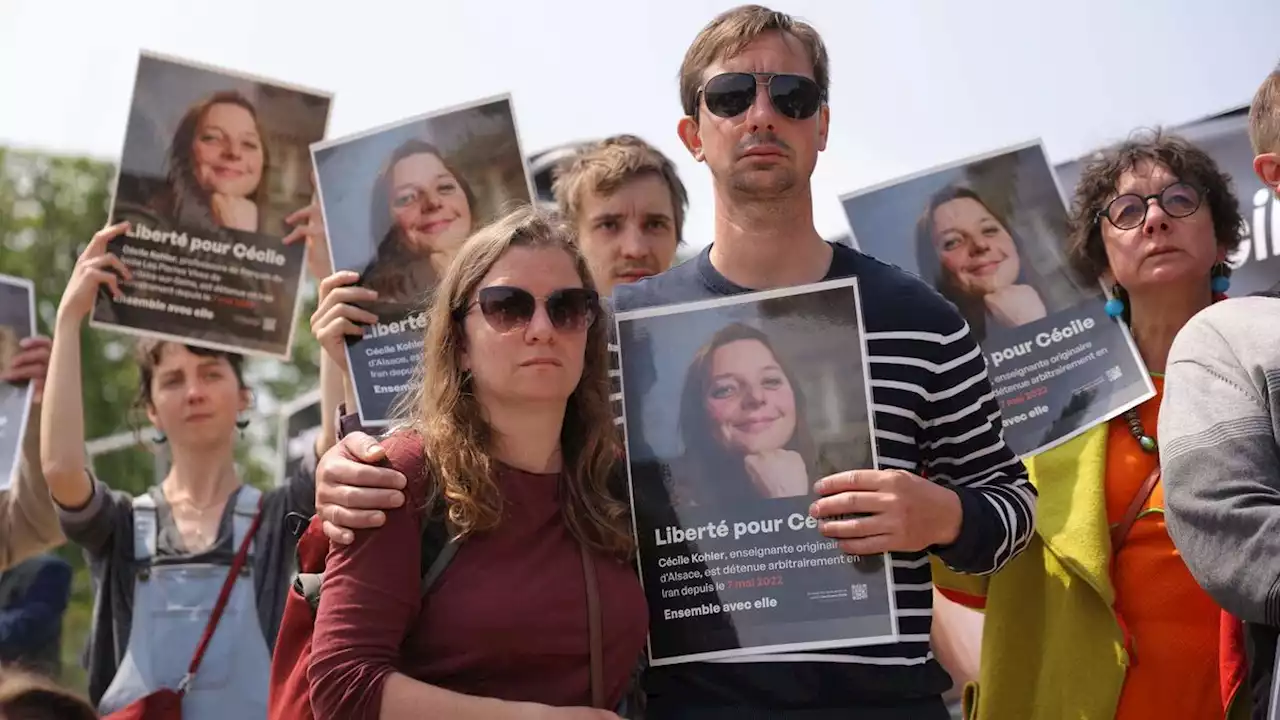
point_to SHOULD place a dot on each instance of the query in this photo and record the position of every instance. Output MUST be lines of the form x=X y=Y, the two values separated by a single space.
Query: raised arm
x=1219 y=458
x=62 y=440
x=308 y=228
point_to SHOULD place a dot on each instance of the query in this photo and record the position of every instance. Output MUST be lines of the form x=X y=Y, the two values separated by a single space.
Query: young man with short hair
x=754 y=90
x=628 y=206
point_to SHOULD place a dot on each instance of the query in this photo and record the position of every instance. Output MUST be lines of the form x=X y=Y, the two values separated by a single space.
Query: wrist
x=952 y=517
x=67 y=320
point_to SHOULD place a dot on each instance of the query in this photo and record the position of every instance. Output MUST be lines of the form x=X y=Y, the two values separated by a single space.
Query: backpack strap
x=248 y=500
x=438 y=549
x=144 y=528
x=1120 y=531
x=438 y=546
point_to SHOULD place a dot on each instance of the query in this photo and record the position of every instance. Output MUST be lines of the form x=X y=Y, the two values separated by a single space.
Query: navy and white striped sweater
x=935 y=415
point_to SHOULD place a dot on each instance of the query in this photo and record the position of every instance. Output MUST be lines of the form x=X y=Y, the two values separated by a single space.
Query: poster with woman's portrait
x=734 y=408
x=213 y=164
x=398 y=201
x=990 y=234
x=17 y=321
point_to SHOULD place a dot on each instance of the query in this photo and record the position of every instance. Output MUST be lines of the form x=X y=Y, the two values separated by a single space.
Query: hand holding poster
x=989 y=234
x=734 y=409
x=213 y=163
x=17 y=322
x=398 y=201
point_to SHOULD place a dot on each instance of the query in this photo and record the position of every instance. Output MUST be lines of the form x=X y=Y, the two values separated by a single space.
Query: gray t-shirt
x=104 y=528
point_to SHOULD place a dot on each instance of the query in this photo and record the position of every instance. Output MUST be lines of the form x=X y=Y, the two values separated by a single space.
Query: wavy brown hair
x=443 y=408
x=929 y=263
x=184 y=199
x=1086 y=251
x=704 y=451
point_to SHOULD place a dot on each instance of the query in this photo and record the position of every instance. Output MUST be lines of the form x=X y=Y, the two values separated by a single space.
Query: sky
x=915 y=83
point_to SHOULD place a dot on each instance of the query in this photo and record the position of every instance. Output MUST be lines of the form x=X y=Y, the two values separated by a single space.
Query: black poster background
x=300 y=422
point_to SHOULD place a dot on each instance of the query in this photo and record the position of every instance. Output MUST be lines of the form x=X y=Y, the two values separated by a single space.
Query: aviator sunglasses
x=728 y=95
x=508 y=308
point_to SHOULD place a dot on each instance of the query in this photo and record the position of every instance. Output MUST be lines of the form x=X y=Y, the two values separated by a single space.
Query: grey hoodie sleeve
x=1218 y=451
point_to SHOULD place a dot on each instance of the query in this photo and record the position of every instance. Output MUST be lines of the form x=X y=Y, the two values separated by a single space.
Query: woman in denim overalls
x=160 y=559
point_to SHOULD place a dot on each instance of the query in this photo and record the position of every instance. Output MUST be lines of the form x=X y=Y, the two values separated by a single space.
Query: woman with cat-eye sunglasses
x=508 y=444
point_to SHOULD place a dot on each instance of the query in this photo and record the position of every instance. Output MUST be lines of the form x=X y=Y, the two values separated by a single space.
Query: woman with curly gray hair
x=1101 y=584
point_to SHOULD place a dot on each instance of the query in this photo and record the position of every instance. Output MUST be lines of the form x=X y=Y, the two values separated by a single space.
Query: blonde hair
x=1264 y=116
x=605 y=166
x=731 y=31
x=444 y=410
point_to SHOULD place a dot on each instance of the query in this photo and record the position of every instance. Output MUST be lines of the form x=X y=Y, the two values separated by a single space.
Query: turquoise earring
x=1115 y=306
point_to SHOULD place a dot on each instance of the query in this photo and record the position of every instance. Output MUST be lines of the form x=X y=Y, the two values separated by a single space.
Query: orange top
x=1172 y=623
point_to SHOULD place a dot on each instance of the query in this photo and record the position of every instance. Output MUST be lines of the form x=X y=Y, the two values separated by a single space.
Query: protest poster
x=17 y=322
x=213 y=163
x=734 y=408
x=1255 y=263
x=300 y=423
x=989 y=234
x=398 y=201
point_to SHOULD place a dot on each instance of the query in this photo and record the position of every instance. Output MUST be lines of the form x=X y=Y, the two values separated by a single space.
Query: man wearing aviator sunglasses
x=754 y=89
x=752 y=115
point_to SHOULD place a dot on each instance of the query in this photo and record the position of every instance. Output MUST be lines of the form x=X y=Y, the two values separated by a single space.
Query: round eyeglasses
x=1129 y=211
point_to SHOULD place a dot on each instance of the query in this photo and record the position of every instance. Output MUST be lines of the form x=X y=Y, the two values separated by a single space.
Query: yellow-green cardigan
x=1052 y=647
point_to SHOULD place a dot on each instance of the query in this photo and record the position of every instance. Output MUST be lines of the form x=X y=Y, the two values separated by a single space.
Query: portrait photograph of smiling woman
x=751 y=401
x=213 y=159
x=398 y=202
x=989 y=233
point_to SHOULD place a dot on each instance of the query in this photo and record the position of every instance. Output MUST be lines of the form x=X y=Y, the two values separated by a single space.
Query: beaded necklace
x=1139 y=433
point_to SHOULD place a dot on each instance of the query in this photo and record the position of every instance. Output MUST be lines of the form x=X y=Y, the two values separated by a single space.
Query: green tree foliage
x=49 y=208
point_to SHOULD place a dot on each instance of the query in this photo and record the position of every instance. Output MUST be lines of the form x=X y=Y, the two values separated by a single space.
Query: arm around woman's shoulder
x=368 y=605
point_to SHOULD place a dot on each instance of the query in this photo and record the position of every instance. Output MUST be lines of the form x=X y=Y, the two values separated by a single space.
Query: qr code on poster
x=858 y=591
x=268 y=324
x=1114 y=374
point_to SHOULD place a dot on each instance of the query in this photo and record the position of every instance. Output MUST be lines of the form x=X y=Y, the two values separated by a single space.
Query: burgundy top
x=506 y=619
